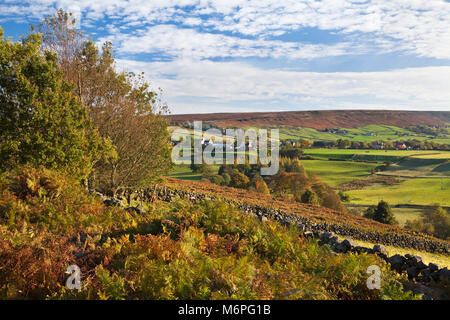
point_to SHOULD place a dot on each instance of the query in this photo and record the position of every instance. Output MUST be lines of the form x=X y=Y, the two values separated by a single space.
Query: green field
x=420 y=167
x=374 y=155
x=424 y=168
x=410 y=191
x=183 y=172
x=338 y=172
x=368 y=133
x=401 y=214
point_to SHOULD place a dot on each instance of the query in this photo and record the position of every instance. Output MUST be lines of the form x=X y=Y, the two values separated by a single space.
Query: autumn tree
x=121 y=105
x=60 y=36
x=239 y=180
x=43 y=124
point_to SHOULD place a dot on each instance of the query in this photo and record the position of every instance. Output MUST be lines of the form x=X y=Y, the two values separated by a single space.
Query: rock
x=420 y=265
x=424 y=275
x=333 y=240
x=379 y=249
x=325 y=236
x=112 y=202
x=348 y=245
x=435 y=276
x=413 y=272
x=262 y=219
x=135 y=209
x=444 y=273
x=425 y=272
x=339 y=247
x=433 y=267
x=308 y=235
x=360 y=249
x=397 y=261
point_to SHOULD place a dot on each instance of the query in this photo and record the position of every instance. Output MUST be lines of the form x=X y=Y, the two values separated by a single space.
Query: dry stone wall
x=326 y=233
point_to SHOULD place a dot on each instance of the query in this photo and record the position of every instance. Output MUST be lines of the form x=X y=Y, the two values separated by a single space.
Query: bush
x=381 y=213
x=239 y=180
x=435 y=222
x=310 y=197
x=344 y=197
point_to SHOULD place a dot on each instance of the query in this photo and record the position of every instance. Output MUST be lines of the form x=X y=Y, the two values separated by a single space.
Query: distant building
x=336 y=131
x=400 y=146
x=377 y=146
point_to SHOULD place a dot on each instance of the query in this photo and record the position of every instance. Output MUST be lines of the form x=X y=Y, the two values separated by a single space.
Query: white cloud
x=194 y=32
x=417 y=26
x=226 y=84
x=182 y=42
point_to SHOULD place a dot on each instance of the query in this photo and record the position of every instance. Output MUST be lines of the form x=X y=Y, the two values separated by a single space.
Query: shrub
x=344 y=197
x=435 y=222
x=310 y=197
x=381 y=213
x=31 y=182
x=239 y=180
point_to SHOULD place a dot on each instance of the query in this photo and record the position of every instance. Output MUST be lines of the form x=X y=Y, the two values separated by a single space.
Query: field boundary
x=165 y=193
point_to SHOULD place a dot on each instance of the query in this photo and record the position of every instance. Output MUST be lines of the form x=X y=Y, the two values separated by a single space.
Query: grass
x=420 y=167
x=338 y=172
x=441 y=260
x=184 y=172
x=373 y=155
x=410 y=191
x=404 y=214
x=383 y=132
x=401 y=214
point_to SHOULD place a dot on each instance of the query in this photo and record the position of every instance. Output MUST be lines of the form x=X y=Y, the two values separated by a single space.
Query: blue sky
x=267 y=55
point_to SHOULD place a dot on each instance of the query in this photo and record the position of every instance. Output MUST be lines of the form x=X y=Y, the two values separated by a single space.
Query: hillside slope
x=321 y=119
x=169 y=251
x=315 y=213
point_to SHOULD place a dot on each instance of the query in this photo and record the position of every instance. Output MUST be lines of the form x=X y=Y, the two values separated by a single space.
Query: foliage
x=381 y=213
x=344 y=196
x=239 y=180
x=435 y=222
x=310 y=197
x=291 y=152
x=122 y=107
x=43 y=124
x=172 y=251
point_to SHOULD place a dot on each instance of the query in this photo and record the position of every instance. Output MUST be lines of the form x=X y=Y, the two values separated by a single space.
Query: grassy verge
x=441 y=260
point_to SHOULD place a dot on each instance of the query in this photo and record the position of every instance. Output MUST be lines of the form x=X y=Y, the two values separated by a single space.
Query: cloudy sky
x=270 y=55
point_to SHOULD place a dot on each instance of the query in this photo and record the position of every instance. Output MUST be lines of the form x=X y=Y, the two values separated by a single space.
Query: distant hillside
x=321 y=119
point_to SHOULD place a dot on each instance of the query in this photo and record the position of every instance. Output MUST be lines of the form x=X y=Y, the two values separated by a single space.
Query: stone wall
x=392 y=239
x=325 y=233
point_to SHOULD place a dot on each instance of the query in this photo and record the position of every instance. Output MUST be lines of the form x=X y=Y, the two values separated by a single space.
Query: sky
x=269 y=55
